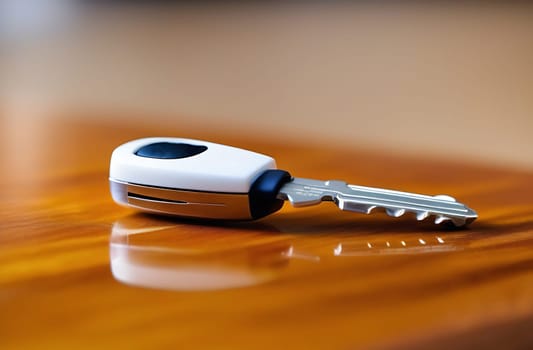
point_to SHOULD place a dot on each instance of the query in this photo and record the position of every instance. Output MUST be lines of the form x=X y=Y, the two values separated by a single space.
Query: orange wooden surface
x=76 y=270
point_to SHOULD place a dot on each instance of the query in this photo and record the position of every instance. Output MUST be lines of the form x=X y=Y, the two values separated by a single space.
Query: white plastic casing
x=218 y=169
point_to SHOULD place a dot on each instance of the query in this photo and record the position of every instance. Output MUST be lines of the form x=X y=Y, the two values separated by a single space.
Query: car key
x=200 y=179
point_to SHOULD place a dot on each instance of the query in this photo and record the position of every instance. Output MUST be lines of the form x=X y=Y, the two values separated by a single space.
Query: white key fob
x=195 y=178
x=206 y=180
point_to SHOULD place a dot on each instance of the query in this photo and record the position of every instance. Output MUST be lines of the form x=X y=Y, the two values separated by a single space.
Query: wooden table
x=78 y=271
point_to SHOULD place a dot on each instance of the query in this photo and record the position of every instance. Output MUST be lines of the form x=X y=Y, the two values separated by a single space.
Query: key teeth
x=421 y=215
x=370 y=208
x=395 y=212
x=440 y=219
x=456 y=222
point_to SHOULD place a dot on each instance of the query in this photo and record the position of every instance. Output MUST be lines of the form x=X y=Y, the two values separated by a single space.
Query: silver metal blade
x=304 y=192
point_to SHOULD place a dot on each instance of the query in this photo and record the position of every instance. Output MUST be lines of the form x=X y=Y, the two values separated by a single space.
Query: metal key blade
x=304 y=192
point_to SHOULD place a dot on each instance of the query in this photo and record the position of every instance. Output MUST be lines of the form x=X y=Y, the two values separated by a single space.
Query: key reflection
x=153 y=253
x=158 y=253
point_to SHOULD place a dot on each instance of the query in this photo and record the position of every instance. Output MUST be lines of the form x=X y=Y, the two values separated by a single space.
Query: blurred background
x=452 y=81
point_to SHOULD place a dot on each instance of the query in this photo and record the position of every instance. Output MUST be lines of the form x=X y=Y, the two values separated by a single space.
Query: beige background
x=450 y=81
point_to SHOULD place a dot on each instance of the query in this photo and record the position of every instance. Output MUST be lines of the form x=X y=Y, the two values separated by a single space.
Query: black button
x=168 y=150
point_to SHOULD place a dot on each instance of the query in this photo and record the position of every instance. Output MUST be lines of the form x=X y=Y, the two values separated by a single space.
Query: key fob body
x=193 y=178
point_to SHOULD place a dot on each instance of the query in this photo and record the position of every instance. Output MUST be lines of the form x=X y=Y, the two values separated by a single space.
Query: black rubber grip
x=264 y=191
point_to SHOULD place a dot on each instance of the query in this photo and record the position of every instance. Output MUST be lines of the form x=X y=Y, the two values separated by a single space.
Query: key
x=200 y=179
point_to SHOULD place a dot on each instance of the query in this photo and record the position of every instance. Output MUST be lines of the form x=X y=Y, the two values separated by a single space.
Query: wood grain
x=76 y=270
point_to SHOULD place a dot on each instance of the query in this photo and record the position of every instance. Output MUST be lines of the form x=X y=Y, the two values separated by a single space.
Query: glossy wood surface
x=78 y=271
